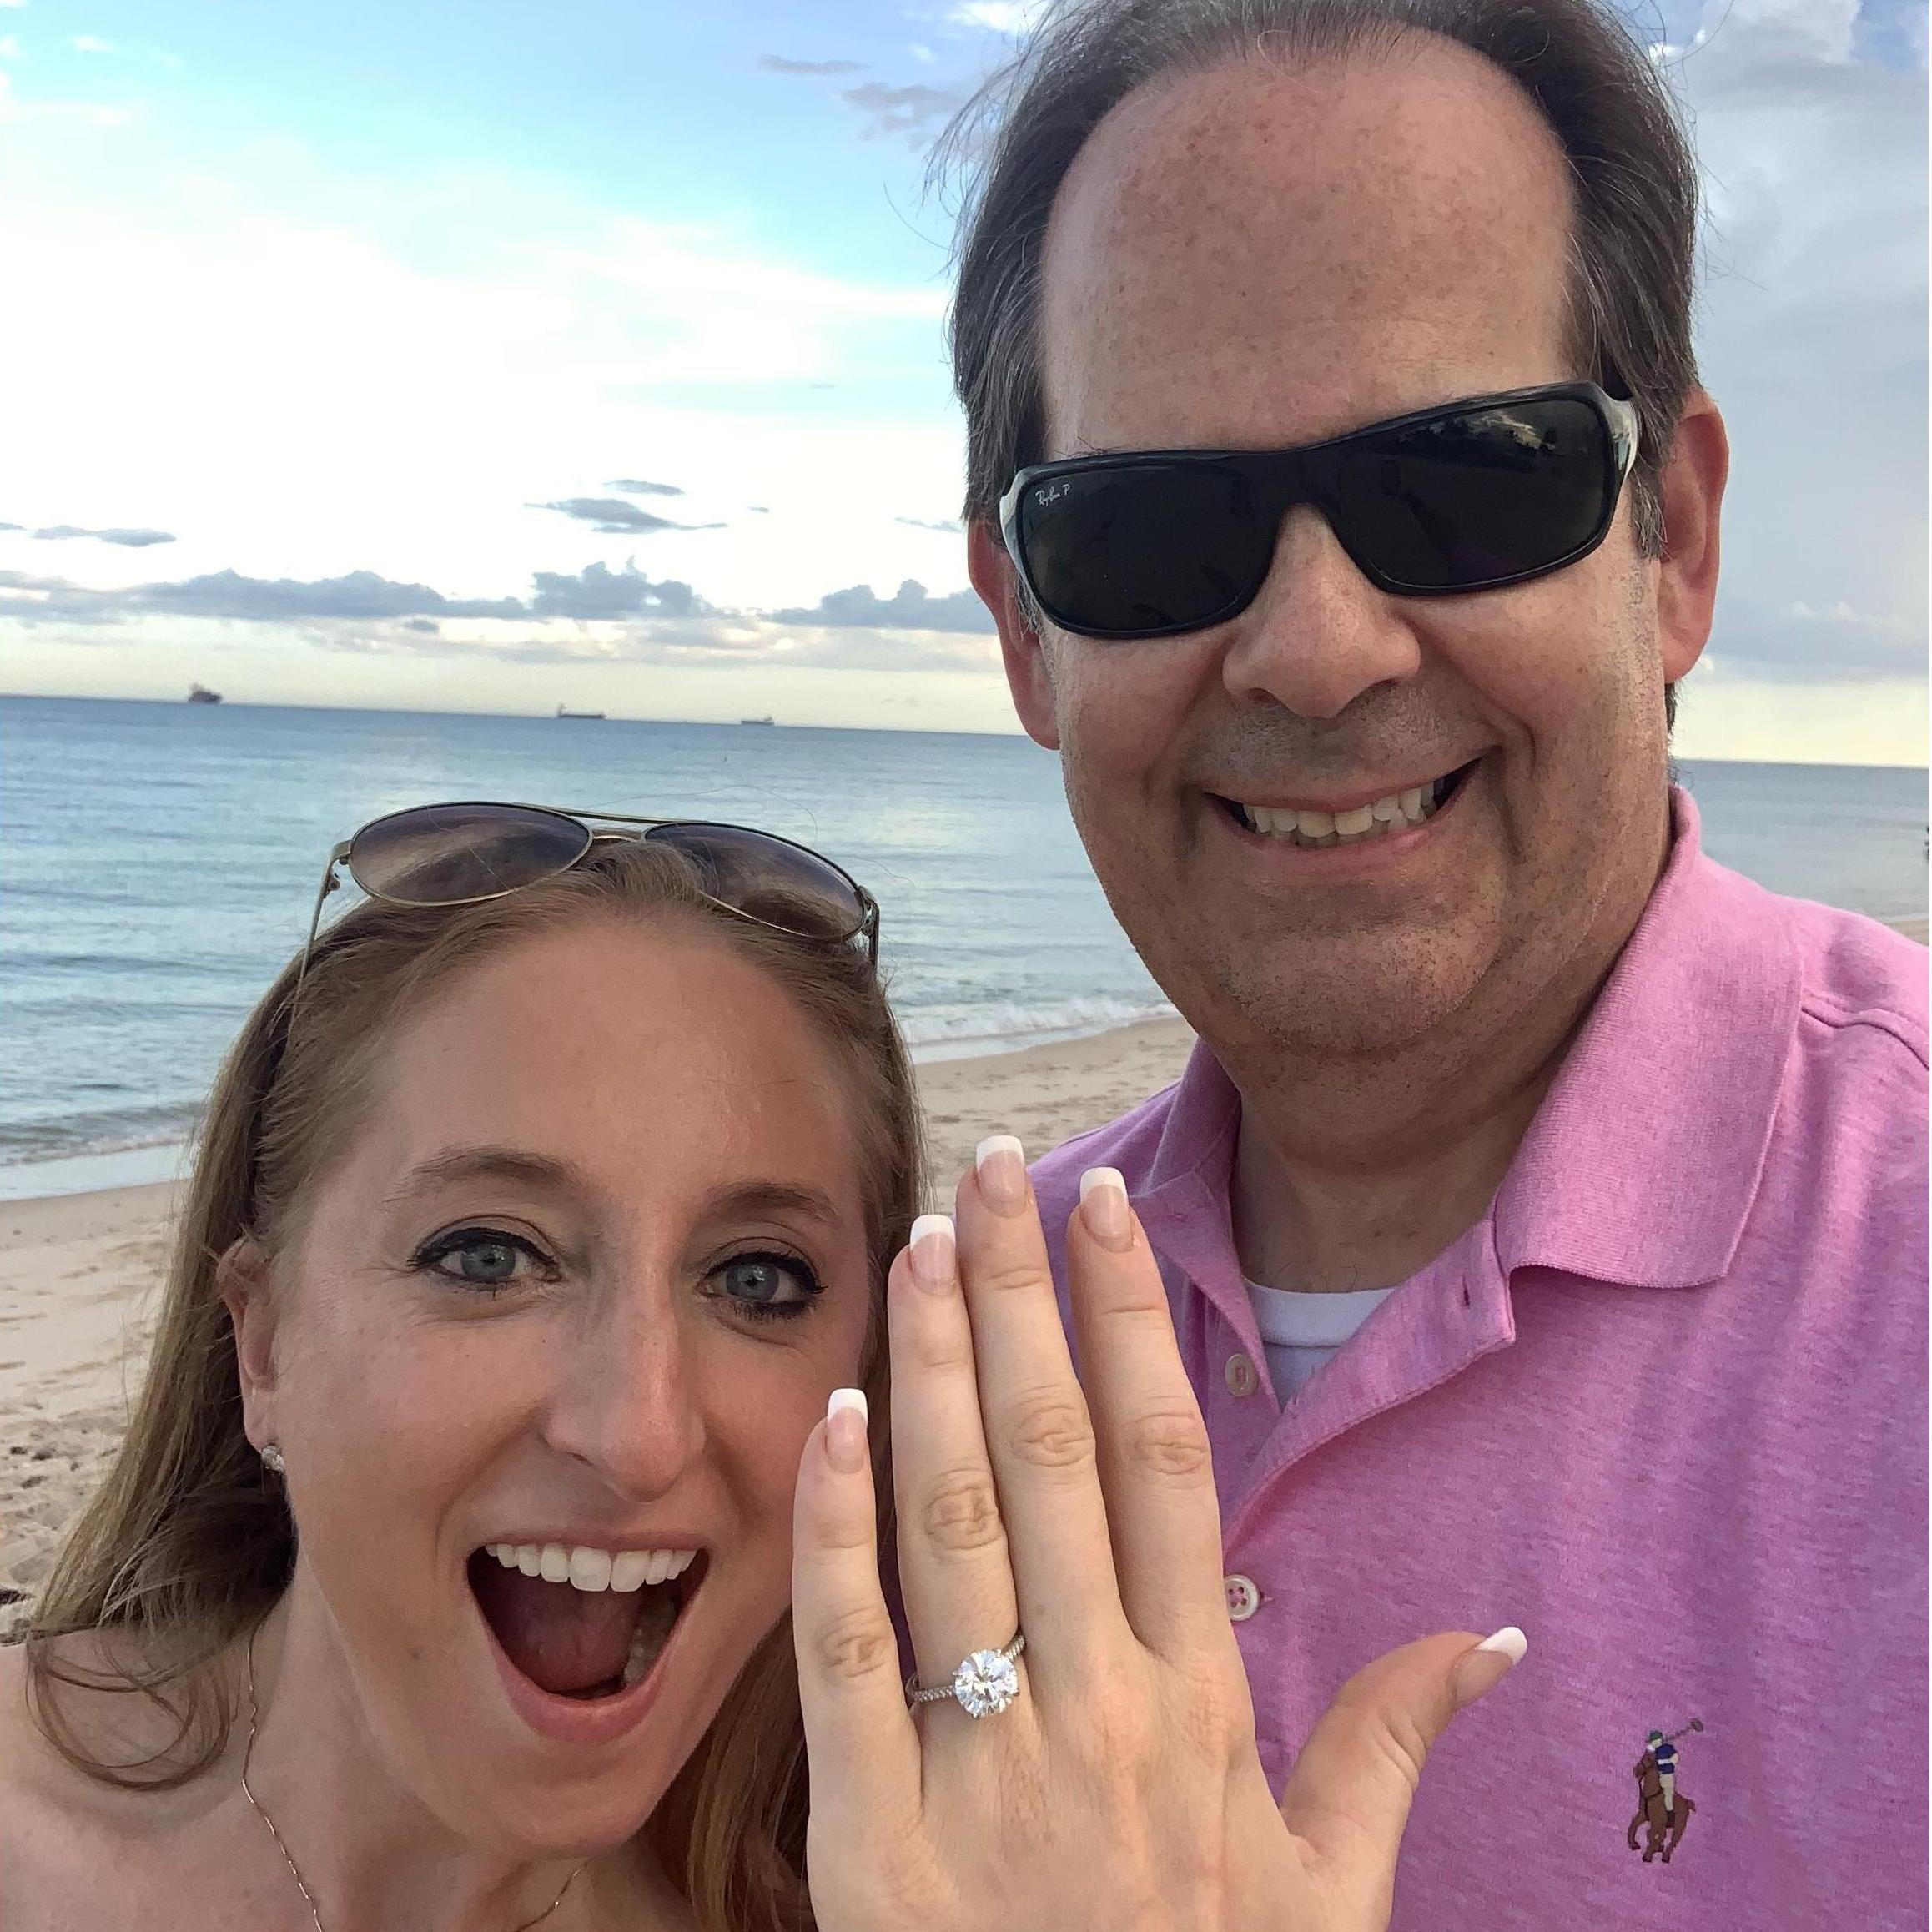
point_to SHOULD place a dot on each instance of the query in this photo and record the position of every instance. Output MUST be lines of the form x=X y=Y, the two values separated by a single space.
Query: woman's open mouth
x=581 y=1623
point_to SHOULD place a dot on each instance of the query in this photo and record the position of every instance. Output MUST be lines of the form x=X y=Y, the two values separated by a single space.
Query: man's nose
x=1319 y=633
x=627 y=1400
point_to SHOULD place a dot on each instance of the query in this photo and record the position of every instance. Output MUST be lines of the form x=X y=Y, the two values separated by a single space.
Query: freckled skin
x=1254 y=257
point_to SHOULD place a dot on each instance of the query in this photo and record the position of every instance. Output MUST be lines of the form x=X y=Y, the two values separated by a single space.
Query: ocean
x=159 y=862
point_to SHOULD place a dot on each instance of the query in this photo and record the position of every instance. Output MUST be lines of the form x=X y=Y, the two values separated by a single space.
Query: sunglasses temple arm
x=328 y=886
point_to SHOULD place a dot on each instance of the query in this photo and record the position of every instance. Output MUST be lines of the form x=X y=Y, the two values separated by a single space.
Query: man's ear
x=992 y=575
x=1692 y=492
x=242 y=1275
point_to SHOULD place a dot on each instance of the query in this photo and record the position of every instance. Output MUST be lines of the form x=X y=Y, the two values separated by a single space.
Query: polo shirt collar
x=1641 y=1165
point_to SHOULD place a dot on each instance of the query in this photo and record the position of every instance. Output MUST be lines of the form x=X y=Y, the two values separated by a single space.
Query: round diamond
x=985 y=1683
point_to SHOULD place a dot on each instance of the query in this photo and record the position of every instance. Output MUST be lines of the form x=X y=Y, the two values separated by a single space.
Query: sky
x=470 y=357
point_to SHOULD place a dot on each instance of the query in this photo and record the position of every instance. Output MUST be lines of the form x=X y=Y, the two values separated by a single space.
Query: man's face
x=1258 y=257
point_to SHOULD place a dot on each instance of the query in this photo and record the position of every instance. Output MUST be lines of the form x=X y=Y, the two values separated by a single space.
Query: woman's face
x=582 y=1287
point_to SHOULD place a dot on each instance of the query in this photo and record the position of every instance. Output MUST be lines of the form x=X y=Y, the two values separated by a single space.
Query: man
x=1514 y=1120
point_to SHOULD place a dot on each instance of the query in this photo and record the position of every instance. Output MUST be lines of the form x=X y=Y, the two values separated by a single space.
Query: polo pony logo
x=1662 y=1811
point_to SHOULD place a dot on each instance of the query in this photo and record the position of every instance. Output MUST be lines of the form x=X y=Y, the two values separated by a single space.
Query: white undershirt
x=1301 y=1332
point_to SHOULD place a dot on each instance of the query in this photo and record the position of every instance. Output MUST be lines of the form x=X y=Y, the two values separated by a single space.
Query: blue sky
x=474 y=357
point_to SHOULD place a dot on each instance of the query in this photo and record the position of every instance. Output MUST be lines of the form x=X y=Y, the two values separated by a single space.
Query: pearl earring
x=271 y=1458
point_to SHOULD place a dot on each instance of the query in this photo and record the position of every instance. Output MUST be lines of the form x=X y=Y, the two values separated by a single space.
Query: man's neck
x=1358 y=1173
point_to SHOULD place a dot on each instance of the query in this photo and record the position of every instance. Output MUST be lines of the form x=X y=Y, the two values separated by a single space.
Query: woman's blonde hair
x=186 y=1545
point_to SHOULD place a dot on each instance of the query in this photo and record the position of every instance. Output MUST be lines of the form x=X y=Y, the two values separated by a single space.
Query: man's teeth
x=1395 y=813
x=587 y=1569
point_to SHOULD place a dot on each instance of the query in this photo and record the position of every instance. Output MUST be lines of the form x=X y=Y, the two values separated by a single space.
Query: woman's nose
x=1319 y=633
x=626 y=1401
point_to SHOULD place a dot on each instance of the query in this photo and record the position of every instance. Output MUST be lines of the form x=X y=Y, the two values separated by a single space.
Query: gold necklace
x=288 y=1857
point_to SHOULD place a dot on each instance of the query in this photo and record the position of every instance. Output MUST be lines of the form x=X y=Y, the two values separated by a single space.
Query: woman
x=529 y=1236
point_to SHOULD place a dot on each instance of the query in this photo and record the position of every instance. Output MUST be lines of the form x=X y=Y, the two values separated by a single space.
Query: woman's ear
x=248 y=1291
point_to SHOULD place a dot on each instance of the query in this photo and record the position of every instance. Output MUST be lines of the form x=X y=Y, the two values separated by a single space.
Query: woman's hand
x=1121 y=1789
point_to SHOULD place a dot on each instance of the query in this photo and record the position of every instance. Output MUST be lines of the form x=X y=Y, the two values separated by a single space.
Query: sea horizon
x=568 y=716
x=136 y=933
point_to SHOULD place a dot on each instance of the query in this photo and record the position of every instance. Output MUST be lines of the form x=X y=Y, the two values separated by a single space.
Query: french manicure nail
x=1000 y=1162
x=1104 y=1208
x=932 y=1252
x=1484 y=1667
x=845 y=1421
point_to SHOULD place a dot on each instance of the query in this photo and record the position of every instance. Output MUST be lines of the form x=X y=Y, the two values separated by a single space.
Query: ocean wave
x=957 y=1031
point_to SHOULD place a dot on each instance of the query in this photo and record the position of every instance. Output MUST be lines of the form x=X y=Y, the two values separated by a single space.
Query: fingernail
x=931 y=1251
x=1484 y=1667
x=845 y=1420
x=1000 y=1162
x=1104 y=1208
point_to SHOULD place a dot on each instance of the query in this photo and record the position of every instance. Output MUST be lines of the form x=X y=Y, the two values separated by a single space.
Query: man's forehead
x=1262 y=254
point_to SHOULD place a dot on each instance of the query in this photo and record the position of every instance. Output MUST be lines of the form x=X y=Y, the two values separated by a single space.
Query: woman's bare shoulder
x=77 y=1850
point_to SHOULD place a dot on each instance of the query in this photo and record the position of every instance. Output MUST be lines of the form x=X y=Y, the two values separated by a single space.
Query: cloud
x=9 y=48
x=1811 y=336
x=614 y=516
x=778 y=63
x=128 y=539
x=599 y=592
x=913 y=111
x=1014 y=17
x=362 y=597
x=633 y=487
x=944 y=523
x=91 y=43
x=910 y=609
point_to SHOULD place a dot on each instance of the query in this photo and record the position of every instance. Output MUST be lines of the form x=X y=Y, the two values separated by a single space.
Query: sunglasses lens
x=769 y=879
x=1467 y=500
x=448 y=855
x=1145 y=548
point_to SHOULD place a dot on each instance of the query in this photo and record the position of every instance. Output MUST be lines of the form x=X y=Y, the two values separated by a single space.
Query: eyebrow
x=773 y=1197
x=520 y=1168
x=507 y=1164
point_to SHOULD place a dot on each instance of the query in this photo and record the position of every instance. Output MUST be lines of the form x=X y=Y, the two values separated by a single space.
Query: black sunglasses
x=1470 y=495
x=461 y=854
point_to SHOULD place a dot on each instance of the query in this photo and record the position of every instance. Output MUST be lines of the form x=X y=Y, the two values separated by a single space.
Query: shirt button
x=1242 y=1379
x=1243 y=1599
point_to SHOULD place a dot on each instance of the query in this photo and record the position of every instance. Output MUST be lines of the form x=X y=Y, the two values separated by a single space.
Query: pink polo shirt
x=1664 y=1406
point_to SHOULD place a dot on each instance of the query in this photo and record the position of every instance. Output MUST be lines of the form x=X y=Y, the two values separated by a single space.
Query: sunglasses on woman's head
x=1471 y=495
x=461 y=854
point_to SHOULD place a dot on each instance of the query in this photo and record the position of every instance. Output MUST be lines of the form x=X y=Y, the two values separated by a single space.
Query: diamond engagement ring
x=983 y=1686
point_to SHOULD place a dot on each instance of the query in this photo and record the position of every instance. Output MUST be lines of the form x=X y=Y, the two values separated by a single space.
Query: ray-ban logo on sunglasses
x=1050 y=493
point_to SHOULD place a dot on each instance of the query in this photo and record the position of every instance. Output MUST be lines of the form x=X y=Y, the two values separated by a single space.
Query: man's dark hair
x=1633 y=175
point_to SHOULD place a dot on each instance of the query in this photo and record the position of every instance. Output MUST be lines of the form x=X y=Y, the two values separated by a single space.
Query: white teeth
x=586 y=1568
x=628 y=1570
x=1393 y=814
x=590 y=1569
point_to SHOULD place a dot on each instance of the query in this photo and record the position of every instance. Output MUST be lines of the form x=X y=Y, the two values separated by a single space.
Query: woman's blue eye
x=767 y=1284
x=478 y=1257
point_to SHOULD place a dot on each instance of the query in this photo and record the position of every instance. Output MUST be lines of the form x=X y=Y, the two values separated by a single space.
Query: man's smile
x=1346 y=819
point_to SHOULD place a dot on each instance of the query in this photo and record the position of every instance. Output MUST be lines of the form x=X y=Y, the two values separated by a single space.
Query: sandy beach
x=78 y=1273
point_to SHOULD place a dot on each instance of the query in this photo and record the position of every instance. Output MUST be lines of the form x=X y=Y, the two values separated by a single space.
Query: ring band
x=983 y=1686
